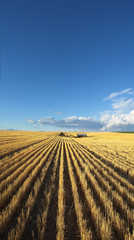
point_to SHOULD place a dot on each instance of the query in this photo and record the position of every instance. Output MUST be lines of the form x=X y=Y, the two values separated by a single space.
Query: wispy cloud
x=123 y=103
x=47 y=121
x=115 y=94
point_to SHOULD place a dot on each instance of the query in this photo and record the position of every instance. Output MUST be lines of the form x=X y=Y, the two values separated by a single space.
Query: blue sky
x=67 y=65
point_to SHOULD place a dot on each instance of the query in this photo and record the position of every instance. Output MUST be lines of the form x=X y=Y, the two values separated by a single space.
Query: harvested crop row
x=118 y=168
x=105 y=203
x=102 y=226
x=122 y=200
x=82 y=223
x=110 y=171
x=12 y=148
x=119 y=204
x=21 y=161
x=61 y=206
x=12 y=187
x=106 y=179
x=45 y=202
x=17 y=232
x=8 y=161
x=7 y=213
x=123 y=154
x=58 y=188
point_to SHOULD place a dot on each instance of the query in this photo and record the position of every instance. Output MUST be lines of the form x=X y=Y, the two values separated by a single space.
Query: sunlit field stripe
x=17 y=232
x=37 y=178
x=106 y=203
x=42 y=215
x=122 y=191
x=15 y=147
x=16 y=169
x=16 y=200
x=111 y=171
x=82 y=223
x=7 y=162
x=102 y=226
x=12 y=188
x=119 y=203
x=61 y=204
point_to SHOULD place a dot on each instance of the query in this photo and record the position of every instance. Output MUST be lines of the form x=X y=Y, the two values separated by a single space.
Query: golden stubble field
x=54 y=187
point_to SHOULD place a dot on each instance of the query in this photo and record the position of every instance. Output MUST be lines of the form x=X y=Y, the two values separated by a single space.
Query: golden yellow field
x=54 y=187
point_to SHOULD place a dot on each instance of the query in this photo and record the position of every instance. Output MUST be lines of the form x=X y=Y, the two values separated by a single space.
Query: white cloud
x=72 y=122
x=115 y=94
x=84 y=118
x=121 y=118
x=118 y=122
x=108 y=122
x=80 y=123
x=47 y=121
x=70 y=119
x=123 y=103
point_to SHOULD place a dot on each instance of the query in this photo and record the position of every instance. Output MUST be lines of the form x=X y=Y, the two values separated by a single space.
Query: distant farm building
x=62 y=134
x=81 y=135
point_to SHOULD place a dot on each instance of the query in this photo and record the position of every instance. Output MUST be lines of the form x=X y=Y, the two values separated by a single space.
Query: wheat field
x=64 y=187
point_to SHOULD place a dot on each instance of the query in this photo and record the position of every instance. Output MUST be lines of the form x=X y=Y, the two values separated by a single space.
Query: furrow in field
x=105 y=203
x=50 y=213
x=125 y=193
x=41 y=198
x=8 y=176
x=12 y=151
x=48 y=192
x=15 y=203
x=8 y=161
x=82 y=223
x=111 y=172
x=116 y=158
x=121 y=172
x=7 y=194
x=70 y=219
x=113 y=183
x=124 y=208
x=113 y=154
x=122 y=199
x=18 y=161
x=102 y=225
x=24 y=229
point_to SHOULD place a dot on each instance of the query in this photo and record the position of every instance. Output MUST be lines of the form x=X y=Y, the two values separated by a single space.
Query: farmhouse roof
x=61 y=134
